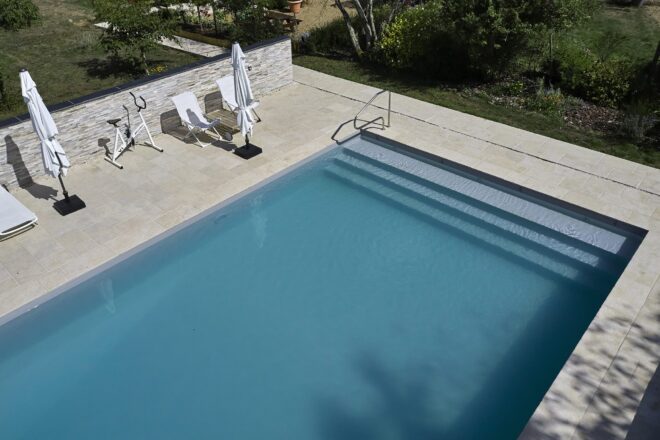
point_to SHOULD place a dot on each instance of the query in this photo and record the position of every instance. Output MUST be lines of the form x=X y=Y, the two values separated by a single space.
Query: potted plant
x=294 y=6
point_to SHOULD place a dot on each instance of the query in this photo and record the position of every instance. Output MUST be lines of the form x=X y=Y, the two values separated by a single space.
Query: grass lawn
x=636 y=34
x=478 y=106
x=631 y=32
x=63 y=56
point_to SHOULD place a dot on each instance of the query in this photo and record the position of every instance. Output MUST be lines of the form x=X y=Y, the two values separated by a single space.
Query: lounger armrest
x=226 y=104
x=19 y=228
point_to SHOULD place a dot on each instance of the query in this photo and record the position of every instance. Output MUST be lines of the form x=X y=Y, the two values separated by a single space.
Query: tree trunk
x=396 y=7
x=351 y=31
x=552 y=43
x=199 y=17
x=372 y=22
x=366 y=27
x=654 y=63
x=215 y=19
x=143 y=55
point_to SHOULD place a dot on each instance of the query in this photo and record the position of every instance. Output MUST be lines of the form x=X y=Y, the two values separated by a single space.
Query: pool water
x=368 y=294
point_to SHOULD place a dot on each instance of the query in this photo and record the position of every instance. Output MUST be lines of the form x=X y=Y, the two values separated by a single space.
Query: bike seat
x=114 y=121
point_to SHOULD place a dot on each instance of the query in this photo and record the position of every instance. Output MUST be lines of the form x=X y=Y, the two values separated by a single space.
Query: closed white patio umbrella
x=244 y=99
x=54 y=158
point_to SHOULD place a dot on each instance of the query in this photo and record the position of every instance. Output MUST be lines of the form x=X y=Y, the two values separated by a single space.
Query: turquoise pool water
x=365 y=295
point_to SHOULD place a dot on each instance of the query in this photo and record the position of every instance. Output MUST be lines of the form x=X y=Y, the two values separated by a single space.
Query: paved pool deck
x=599 y=390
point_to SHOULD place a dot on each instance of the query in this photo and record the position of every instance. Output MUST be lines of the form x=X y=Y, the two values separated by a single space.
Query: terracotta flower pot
x=294 y=6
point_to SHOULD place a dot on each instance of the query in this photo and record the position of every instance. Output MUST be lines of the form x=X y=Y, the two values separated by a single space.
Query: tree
x=17 y=14
x=479 y=38
x=133 y=28
x=558 y=15
x=198 y=5
x=250 y=23
x=368 y=28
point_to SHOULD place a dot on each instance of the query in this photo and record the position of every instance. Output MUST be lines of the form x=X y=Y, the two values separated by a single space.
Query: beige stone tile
x=7 y=284
x=546 y=186
x=651 y=181
x=79 y=241
x=22 y=265
x=19 y=296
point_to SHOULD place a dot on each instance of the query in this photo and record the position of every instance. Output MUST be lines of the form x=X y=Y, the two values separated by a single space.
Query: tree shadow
x=610 y=407
x=646 y=424
x=25 y=181
x=403 y=410
x=404 y=405
x=103 y=68
x=116 y=67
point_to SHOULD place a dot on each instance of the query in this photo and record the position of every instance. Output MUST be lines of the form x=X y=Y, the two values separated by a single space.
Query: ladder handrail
x=368 y=104
x=379 y=119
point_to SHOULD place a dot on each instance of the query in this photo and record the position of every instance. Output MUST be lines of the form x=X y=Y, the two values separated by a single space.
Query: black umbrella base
x=66 y=207
x=248 y=151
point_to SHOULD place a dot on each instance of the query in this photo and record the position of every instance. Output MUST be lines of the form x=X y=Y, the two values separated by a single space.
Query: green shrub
x=331 y=38
x=602 y=81
x=547 y=100
x=133 y=30
x=639 y=117
x=511 y=88
x=276 y=4
x=251 y=25
x=10 y=96
x=17 y=14
x=457 y=38
x=409 y=41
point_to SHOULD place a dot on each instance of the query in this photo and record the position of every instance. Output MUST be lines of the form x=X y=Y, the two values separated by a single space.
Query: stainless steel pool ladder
x=379 y=122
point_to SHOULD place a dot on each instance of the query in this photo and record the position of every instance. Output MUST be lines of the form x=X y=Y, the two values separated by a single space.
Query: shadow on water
x=402 y=412
x=503 y=392
x=15 y=159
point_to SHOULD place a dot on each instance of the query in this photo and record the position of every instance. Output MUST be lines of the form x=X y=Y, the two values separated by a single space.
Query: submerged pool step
x=471 y=230
x=509 y=203
x=426 y=199
x=508 y=221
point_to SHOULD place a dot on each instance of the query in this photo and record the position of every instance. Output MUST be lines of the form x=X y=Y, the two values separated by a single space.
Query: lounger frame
x=226 y=83
x=193 y=129
x=19 y=228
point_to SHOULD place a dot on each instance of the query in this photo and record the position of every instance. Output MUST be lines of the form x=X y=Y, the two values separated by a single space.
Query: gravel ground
x=315 y=13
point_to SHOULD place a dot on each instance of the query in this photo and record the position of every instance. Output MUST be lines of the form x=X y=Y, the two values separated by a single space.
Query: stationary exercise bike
x=127 y=138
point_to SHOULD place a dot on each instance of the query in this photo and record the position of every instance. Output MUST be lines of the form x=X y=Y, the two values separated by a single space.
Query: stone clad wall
x=83 y=127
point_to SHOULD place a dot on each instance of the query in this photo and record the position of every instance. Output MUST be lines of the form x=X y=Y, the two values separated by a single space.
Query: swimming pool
x=370 y=293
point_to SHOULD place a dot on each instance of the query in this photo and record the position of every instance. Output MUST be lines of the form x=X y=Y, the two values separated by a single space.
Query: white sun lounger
x=192 y=116
x=14 y=217
x=228 y=92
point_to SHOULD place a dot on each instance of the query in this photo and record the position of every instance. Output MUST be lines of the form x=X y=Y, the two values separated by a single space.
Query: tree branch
x=365 y=22
x=351 y=31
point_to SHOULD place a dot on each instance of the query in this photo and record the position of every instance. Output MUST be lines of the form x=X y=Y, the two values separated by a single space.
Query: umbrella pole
x=59 y=176
x=69 y=204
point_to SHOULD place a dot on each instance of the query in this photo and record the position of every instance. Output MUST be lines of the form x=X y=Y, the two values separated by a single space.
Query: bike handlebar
x=135 y=101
